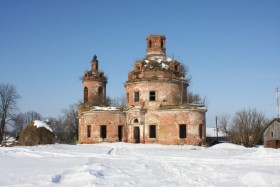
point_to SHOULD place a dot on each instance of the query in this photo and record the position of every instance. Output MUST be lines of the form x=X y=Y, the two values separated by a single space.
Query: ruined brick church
x=154 y=111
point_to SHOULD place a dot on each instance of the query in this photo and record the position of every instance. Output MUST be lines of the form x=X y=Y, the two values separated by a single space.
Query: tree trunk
x=2 y=130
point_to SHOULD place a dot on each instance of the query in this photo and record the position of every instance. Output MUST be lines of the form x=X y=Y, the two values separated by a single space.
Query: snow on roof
x=159 y=60
x=10 y=139
x=164 y=66
x=39 y=124
x=168 y=59
x=105 y=108
x=163 y=61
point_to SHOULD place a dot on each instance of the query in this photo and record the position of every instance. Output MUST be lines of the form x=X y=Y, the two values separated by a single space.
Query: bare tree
x=8 y=103
x=190 y=98
x=184 y=72
x=119 y=101
x=21 y=120
x=70 y=121
x=108 y=101
x=245 y=128
x=58 y=128
x=224 y=123
x=195 y=98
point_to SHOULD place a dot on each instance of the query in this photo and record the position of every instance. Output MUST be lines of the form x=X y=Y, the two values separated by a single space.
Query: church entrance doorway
x=120 y=132
x=137 y=134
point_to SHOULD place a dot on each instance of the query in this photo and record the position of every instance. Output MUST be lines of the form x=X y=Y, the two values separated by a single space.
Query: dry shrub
x=32 y=135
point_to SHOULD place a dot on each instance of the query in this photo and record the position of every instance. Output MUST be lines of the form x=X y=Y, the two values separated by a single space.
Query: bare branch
x=8 y=103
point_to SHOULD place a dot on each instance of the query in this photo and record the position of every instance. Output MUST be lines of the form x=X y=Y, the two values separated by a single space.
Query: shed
x=271 y=134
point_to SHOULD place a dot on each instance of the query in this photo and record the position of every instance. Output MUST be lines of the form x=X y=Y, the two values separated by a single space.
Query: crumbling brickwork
x=95 y=119
x=154 y=111
x=94 y=85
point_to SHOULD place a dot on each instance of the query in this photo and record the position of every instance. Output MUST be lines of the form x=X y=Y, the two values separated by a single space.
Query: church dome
x=156 y=64
x=159 y=63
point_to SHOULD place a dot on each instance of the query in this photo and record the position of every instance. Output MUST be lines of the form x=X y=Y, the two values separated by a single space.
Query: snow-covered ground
x=123 y=164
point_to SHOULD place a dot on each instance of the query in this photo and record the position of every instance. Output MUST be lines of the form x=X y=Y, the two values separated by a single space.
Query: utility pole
x=217 y=127
x=277 y=104
x=182 y=90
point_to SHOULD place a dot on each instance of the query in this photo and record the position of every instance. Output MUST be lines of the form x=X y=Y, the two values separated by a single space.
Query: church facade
x=154 y=111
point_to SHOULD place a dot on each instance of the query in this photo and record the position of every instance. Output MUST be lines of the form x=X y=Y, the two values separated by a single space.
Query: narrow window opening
x=100 y=91
x=120 y=132
x=182 y=131
x=200 y=131
x=150 y=43
x=88 y=131
x=152 y=95
x=271 y=134
x=136 y=96
x=152 y=131
x=161 y=43
x=103 y=131
x=85 y=94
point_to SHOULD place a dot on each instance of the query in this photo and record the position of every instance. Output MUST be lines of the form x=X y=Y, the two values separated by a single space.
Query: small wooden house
x=271 y=134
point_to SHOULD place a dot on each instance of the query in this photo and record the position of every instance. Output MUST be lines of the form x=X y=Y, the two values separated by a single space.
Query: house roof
x=271 y=122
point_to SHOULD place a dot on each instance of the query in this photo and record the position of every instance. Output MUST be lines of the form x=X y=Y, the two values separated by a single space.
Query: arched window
x=85 y=94
x=150 y=43
x=100 y=91
x=135 y=120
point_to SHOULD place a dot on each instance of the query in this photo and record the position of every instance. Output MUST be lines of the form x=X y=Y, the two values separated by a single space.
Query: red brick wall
x=272 y=144
x=157 y=44
x=168 y=122
x=153 y=74
x=167 y=126
x=167 y=93
x=93 y=86
x=168 y=87
x=112 y=119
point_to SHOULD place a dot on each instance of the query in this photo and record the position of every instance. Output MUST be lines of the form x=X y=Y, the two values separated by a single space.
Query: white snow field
x=124 y=164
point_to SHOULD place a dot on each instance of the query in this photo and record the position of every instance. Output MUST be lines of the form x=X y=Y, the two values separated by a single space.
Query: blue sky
x=232 y=48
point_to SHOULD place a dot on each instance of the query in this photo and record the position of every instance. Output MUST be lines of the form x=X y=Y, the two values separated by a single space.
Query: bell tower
x=94 y=85
x=156 y=45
